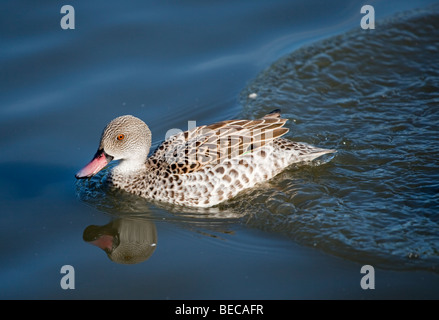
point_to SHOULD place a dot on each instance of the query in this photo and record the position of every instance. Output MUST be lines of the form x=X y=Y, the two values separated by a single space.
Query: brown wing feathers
x=208 y=145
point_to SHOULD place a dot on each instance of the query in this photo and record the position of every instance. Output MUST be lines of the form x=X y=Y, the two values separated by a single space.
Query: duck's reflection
x=131 y=236
x=125 y=240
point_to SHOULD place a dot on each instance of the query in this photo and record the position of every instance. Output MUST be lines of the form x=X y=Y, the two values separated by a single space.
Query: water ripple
x=374 y=96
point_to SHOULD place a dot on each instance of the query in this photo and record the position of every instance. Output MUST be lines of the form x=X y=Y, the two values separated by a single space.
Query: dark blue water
x=374 y=96
x=371 y=94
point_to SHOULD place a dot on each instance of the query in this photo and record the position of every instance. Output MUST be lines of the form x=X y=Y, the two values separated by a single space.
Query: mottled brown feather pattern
x=192 y=150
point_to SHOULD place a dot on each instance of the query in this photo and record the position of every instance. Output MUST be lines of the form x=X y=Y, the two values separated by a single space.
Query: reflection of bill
x=125 y=240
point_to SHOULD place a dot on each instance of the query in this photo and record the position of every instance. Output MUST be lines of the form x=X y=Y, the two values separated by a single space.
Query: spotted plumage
x=201 y=167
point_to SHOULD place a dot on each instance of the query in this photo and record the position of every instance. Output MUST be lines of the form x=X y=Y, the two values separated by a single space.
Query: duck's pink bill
x=105 y=242
x=95 y=165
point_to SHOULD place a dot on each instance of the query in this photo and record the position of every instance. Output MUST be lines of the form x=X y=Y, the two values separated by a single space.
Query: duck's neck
x=127 y=167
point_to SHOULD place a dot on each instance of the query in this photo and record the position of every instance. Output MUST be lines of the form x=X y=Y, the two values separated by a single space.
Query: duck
x=200 y=167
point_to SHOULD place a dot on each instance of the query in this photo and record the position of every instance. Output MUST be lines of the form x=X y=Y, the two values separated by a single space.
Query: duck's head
x=125 y=138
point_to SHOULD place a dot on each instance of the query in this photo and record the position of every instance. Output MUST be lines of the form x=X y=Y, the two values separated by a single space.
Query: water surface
x=370 y=94
x=374 y=97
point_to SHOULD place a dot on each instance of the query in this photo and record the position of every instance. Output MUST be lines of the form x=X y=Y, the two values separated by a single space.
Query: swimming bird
x=201 y=167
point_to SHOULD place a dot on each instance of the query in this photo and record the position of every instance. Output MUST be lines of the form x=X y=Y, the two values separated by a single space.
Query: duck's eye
x=120 y=137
